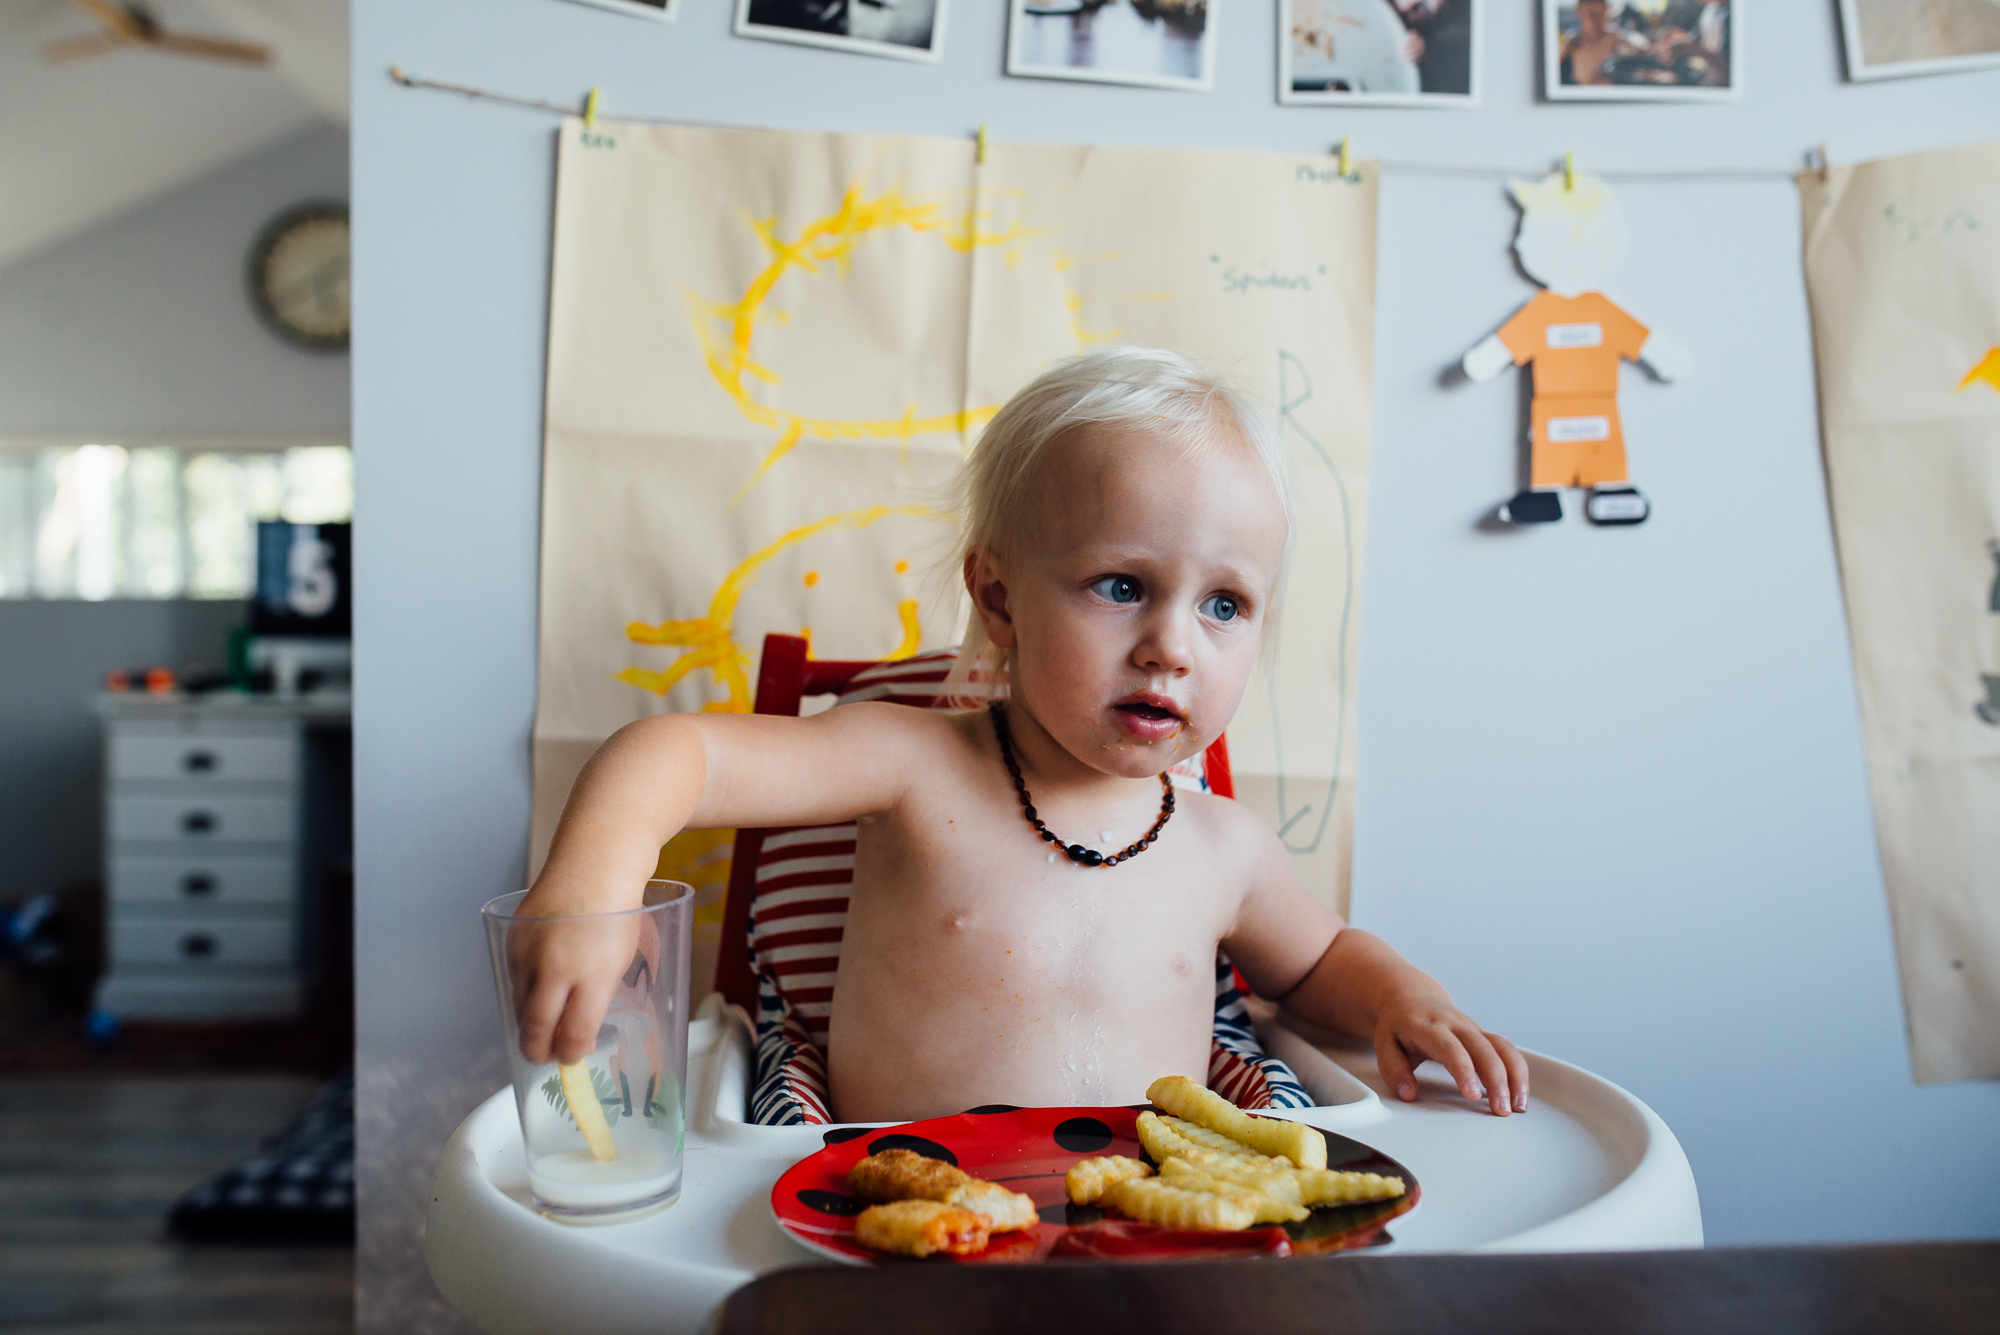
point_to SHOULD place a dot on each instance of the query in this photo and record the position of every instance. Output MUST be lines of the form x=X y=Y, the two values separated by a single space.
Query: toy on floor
x=1573 y=339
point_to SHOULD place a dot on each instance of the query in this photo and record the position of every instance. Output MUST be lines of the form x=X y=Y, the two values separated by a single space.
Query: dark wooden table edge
x=1946 y=1288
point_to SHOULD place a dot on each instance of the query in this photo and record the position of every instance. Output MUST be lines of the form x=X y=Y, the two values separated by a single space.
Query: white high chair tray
x=1589 y=1167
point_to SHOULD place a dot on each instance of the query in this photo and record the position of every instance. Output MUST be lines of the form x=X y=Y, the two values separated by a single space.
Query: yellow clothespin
x=590 y=109
x=979 y=151
x=1346 y=145
x=1569 y=171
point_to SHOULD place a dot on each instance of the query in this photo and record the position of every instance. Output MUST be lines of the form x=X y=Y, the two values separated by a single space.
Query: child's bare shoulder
x=1227 y=826
x=909 y=731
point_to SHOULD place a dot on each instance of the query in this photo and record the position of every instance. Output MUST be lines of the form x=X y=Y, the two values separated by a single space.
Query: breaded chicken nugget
x=904 y=1175
x=1087 y=1178
x=919 y=1228
x=1005 y=1210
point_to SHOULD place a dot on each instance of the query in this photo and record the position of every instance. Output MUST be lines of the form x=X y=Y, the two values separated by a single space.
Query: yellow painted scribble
x=913 y=631
x=831 y=240
x=1988 y=370
x=710 y=640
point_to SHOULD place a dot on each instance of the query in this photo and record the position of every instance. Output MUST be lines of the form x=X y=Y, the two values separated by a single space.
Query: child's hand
x=565 y=972
x=1416 y=1024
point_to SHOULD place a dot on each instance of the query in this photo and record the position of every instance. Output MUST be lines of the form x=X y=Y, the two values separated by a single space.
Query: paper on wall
x=1903 y=266
x=769 y=352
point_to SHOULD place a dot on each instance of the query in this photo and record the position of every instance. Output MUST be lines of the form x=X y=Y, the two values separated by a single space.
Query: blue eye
x=1117 y=589
x=1221 y=607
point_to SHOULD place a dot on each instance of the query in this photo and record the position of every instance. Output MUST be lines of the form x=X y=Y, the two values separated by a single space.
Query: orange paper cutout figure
x=1573 y=341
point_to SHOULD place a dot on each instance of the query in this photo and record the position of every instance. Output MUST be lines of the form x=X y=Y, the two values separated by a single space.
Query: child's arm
x=1296 y=950
x=652 y=779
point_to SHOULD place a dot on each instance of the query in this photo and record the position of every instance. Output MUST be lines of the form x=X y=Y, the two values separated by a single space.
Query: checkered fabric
x=804 y=876
x=298 y=1188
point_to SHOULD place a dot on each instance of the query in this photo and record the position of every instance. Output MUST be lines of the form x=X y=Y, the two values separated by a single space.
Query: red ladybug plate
x=1029 y=1150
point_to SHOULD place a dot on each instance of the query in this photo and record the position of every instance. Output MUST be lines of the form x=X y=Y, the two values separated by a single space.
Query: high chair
x=787 y=905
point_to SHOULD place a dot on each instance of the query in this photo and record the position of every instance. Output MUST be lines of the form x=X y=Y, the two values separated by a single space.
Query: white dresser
x=202 y=832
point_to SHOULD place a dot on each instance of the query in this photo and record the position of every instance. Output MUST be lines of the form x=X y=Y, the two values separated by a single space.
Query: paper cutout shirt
x=1573 y=346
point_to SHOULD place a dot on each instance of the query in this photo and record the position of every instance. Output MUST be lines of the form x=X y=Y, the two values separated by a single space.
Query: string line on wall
x=589 y=109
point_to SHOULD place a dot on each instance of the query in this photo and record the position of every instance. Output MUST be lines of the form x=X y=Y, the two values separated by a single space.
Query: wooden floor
x=88 y=1168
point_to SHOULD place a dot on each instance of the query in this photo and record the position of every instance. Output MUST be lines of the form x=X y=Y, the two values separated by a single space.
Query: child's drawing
x=1573 y=339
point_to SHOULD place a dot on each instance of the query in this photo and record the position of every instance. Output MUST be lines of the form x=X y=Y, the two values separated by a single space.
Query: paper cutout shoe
x=1616 y=505
x=1532 y=507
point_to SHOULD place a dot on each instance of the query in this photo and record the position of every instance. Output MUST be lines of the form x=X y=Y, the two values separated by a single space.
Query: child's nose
x=1167 y=645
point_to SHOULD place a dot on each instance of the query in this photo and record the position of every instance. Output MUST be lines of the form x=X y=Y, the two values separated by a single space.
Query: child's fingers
x=1517 y=1070
x=1492 y=1069
x=576 y=1032
x=538 y=1013
x=1394 y=1065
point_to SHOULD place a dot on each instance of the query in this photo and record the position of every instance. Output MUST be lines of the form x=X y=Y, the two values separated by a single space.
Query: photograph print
x=660 y=10
x=1150 y=43
x=1640 y=51
x=1408 y=53
x=899 y=29
x=1893 y=39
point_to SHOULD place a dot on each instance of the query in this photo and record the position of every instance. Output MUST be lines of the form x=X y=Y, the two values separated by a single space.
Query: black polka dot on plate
x=840 y=1135
x=930 y=1149
x=991 y=1108
x=831 y=1202
x=1083 y=1135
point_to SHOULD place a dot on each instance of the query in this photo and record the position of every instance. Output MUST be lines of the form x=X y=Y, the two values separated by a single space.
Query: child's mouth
x=1148 y=721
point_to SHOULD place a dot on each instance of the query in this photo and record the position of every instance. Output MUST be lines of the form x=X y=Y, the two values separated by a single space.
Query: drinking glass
x=622 y=1158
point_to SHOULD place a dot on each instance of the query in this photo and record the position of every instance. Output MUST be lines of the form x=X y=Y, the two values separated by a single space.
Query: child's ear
x=986 y=583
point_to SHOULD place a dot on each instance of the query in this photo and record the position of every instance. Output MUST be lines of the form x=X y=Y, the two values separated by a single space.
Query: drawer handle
x=198 y=762
x=198 y=883
x=198 y=822
x=198 y=945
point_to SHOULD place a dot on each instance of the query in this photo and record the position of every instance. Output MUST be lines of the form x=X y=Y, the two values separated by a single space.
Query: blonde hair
x=1162 y=397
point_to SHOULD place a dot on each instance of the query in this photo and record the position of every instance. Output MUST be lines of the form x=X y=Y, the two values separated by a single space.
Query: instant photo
x=1640 y=51
x=899 y=29
x=660 y=11
x=1379 y=52
x=1150 y=43
x=1893 y=39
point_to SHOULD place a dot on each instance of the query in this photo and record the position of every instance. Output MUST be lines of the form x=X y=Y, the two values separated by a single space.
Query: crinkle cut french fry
x=1154 y=1202
x=1087 y=1178
x=1187 y=1100
x=918 y=1228
x=1213 y=1141
x=1273 y=1178
x=1270 y=1209
x=581 y=1096
x=1320 y=1186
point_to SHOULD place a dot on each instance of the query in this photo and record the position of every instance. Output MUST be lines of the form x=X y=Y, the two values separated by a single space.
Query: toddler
x=1035 y=913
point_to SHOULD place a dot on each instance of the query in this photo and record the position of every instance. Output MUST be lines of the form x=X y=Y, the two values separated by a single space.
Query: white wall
x=1612 y=782
x=143 y=324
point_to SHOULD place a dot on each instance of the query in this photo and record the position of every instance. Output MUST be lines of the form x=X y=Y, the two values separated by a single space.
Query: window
x=105 y=521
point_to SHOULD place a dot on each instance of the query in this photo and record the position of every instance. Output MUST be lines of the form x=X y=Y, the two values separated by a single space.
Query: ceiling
x=84 y=142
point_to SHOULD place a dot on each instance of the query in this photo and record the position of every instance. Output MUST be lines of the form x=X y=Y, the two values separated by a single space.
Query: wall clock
x=298 y=276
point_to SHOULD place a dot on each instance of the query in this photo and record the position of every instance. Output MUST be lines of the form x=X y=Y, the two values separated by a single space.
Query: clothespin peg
x=590 y=109
x=979 y=149
x=1346 y=148
x=1569 y=171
